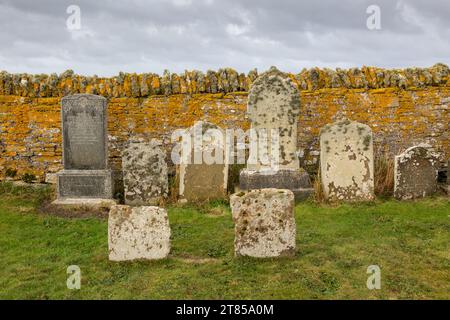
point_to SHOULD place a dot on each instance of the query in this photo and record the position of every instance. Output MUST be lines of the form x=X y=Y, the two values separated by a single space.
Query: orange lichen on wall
x=403 y=108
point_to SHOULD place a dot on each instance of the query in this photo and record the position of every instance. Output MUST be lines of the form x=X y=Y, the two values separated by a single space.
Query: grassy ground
x=335 y=245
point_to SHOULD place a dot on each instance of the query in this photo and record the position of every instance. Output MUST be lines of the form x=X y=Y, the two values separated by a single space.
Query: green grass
x=335 y=245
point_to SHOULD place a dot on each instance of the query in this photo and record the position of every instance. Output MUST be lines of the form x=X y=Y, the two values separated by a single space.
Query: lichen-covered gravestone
x=138 y=233
x=415 y=173
x=85 y=151
x=144 y=173
x=264 y=223
x=346 y=161
x=205 y=175
x=273 y=109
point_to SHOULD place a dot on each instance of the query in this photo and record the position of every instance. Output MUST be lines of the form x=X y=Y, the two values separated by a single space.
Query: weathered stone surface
x=203 y=182
x=138 y=233
x=82 y=203
x=274 y=104
x=145 y=173
x=51 y=178
x=84 y=184
x=200 y=179
x=415 y=173
x=84 y=132
x=264 y=223
x=297 y=181
x=346 y=161
x=273 y=108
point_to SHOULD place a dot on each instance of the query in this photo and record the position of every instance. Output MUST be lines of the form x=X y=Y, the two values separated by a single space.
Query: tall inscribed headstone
x=273 y=108
x=85 y=150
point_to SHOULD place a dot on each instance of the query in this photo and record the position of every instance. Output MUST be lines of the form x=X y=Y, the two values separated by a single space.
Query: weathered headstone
x=415 y=173
x=346 y=161
x=85 y=149
x=273 y=109
x=200 y=179
x=144 y=173
x=264 y=223
x=138 y=233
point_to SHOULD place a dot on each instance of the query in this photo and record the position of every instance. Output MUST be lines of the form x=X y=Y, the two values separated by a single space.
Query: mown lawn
x=409 y=241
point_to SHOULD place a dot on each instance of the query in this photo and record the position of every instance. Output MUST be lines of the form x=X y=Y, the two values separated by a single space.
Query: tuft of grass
x=28 y=177
x=10 y=173
x=174 y=187
x=319 y=196
x=233 y=176
x=384 y=175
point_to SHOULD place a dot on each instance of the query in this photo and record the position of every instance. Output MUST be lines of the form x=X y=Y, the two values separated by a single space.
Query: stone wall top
x=221 y=81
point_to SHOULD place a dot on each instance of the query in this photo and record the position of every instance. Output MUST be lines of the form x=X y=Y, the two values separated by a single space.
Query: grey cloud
x=150 y=36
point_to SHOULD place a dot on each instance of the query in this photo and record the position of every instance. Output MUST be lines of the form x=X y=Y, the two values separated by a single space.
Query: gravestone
x=85 y=150
x=144 y=173
x=264 y=223
x=415 y=173
x=346 y=161
x=138 y=233
x=273 y=109
x=200 y=179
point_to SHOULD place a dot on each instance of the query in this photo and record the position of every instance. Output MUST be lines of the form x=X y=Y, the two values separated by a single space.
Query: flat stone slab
x=93 y=204
x=84 y=184
x=297 y=181
x=264 y=223
x=138 y=233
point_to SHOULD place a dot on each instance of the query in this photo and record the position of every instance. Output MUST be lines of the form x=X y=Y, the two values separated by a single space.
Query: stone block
x=264 y=223
x=138 y=233
x=84 y=184
x=297 y=181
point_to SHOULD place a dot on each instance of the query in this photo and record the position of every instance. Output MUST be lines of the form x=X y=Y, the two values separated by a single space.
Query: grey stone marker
x=204 y=181
x=85 y=151
x=274 y=106
x=346 y=161
x=144 y=173
x=415 y=173
x=138 y=233
x=264 y=223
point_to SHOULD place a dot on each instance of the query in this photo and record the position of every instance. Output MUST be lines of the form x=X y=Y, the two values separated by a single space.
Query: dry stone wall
x=403 y=108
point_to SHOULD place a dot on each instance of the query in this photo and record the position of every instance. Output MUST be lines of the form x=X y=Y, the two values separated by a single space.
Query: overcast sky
x=153 y=35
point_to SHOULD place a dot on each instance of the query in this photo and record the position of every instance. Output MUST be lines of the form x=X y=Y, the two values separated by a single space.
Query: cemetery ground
x=408 y=240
